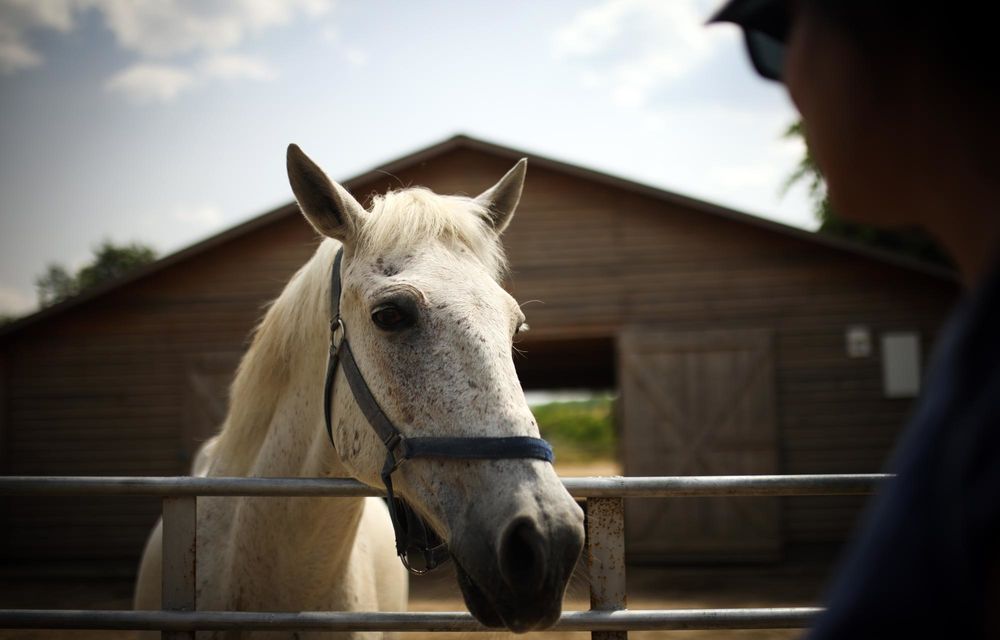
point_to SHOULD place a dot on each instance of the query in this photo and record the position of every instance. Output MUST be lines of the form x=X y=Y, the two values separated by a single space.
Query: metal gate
x=607 y=619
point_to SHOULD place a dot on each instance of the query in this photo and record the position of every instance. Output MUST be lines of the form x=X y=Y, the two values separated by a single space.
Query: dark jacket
x=925 y=561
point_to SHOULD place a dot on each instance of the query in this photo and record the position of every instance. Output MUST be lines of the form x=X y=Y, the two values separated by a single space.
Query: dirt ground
x=797 y=581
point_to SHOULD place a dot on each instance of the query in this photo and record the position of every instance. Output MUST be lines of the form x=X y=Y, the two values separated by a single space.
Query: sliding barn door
x=699 y=403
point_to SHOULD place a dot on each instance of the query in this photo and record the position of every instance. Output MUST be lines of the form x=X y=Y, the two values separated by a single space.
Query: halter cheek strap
x=413 y=535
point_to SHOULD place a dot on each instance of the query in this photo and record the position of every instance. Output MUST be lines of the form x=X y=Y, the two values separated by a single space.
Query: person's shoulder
x=921 y=560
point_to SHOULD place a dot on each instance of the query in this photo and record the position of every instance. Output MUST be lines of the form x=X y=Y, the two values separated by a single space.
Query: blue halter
x=413 y=534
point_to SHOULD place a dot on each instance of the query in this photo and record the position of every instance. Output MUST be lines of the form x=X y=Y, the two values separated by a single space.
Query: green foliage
x=579 y=431
x=910 y=242
x=808 y=171
x=110 y=262
x=55 y=284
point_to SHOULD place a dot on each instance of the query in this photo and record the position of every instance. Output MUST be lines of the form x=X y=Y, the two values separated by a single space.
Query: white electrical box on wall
x=901 y=364
x=858 y=341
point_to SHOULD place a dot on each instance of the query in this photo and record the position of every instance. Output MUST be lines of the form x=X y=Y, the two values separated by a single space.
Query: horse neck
x=275 y=428
x=275 y=421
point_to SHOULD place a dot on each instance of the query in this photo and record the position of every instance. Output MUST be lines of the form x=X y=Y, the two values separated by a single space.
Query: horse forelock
x=410 y=217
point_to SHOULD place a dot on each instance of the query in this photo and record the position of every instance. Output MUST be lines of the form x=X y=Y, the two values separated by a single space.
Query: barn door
x=699 y=403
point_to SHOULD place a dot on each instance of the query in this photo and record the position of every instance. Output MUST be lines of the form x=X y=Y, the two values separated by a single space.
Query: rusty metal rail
x=608 y=619
x=444 y=621
x=590 y=487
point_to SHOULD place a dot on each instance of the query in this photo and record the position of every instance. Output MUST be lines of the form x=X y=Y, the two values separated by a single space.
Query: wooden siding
x=102 y=388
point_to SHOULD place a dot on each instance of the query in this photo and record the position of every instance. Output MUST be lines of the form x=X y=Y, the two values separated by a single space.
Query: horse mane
x=295 y=322
x=292 y=335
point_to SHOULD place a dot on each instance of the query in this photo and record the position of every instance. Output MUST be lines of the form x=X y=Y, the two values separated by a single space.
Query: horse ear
x=328 y=207
x=501 y=199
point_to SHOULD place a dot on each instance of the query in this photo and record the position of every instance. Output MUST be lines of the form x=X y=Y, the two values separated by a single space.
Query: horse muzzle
x=517 y=579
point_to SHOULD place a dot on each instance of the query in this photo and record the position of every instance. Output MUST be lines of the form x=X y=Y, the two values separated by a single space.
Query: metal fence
x=607 y=619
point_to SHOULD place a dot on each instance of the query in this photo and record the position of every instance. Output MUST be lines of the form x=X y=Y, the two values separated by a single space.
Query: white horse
x=431 y=329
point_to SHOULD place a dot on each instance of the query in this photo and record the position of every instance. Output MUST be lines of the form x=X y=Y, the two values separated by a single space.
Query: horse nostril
x=522 y=556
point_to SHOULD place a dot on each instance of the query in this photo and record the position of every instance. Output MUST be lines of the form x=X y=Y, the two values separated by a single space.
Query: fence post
x=606 y=559
x=180 y=527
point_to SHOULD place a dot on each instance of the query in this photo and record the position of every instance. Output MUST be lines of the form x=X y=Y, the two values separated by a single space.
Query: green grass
x=579 y=431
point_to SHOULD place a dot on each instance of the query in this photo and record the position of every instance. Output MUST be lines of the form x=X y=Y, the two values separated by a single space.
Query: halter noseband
x=413 y=534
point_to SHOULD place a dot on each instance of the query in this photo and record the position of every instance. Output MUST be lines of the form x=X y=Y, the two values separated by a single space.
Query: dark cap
x=767 y=16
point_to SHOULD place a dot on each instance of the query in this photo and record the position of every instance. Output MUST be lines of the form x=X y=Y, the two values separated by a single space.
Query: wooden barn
x=738 y=345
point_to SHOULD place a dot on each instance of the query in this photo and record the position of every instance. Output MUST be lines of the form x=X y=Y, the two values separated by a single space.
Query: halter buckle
x=336 y=334
x=394 y=461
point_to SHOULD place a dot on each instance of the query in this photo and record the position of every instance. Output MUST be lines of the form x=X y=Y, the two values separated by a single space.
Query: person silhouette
x=899 y=108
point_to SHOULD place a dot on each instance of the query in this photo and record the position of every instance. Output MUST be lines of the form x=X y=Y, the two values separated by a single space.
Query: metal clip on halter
x=336 y=334
x=393 y=460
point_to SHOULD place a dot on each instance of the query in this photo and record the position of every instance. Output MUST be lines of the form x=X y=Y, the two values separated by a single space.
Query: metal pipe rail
x=589 y=487
x=608 y=618
x=443 y=621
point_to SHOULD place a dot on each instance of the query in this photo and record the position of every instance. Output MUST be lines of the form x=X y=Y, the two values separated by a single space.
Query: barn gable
x=128 y=379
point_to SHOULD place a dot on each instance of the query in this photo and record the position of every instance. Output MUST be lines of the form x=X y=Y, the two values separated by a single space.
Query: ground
x=796 y=582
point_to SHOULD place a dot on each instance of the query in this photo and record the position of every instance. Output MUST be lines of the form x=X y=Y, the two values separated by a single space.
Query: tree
x=110 y=262
x=55 y=284
x=913 y=243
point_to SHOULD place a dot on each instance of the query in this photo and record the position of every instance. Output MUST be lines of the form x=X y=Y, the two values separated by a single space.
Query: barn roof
x=466 y=142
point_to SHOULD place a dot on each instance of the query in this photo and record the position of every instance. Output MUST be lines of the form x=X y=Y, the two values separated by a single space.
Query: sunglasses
x=765 y=25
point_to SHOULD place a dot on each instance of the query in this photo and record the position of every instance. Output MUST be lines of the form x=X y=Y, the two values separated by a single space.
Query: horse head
x=431 y=328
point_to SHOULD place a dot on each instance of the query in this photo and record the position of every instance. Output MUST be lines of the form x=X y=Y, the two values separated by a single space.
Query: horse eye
x=391 y=318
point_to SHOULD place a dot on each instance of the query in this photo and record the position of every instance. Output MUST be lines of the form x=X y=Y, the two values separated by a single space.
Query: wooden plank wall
x=100 y=389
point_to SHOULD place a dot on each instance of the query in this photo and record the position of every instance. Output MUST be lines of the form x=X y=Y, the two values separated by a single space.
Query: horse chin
x=478 y=604
x=501 y=611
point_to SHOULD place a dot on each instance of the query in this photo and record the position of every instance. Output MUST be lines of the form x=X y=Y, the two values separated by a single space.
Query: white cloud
x=716 y=136
x=149 y=82
x=144 y=82
x=16 y=55
x=157 y=31
x=771 y=165
x=17 y=18
x=166 y=223
x=356 y=57
x=231 y=66
x=166 y=28
x=633 y=47
x=748 y=175
x=203 y=216
x=592 y=30
x=331 y=33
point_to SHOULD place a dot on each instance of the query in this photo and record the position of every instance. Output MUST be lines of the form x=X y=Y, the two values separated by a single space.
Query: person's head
x=892 y=93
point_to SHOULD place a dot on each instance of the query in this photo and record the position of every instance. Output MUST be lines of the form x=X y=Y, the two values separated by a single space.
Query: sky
x=166 y=121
